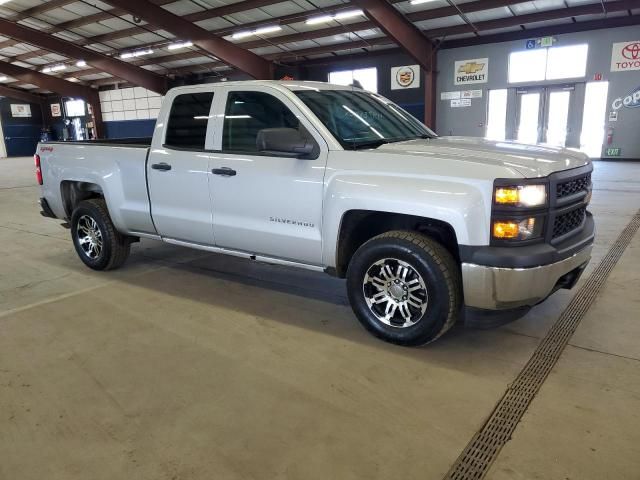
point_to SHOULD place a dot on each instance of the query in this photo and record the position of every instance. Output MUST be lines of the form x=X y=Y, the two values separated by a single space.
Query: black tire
x=441 y=296
x=115 y=247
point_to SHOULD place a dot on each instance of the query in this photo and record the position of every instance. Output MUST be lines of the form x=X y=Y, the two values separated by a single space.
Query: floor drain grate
x=475 y=460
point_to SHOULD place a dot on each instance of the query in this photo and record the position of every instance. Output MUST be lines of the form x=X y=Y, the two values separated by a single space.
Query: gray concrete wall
x=471 y=120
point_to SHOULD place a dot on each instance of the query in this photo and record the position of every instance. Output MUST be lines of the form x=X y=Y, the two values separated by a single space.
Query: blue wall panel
x=21 y=134
x=129 y=128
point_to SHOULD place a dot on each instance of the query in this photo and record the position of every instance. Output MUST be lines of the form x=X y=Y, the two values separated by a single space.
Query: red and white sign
x=625 y=56
x=56 y=111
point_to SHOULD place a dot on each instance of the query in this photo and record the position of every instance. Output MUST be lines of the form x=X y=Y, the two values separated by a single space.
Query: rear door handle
x=161 y=166
x=224 y=171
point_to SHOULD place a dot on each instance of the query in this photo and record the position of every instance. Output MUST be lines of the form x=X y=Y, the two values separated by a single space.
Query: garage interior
x=186 y=364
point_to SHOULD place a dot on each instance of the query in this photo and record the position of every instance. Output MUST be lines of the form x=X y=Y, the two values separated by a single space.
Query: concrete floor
x=186 y=365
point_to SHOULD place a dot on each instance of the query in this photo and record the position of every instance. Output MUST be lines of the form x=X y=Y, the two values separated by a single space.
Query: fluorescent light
x=175 y=46
x=3 y=79
x=235 y=117
x=257 y=31
x=2 y=2
x=337 y=16
x=348 y=14
x=239 y=35
x=72 y=79
x=137 y=53
x=81 y=63
x=55 y=68
x=418 y=2
x=321 y=19
x=269 y=29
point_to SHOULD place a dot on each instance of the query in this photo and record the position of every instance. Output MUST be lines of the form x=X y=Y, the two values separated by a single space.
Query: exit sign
x=614 y=152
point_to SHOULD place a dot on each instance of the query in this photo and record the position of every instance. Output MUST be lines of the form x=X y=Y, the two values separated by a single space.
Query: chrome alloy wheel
x=89 y=237
x=395 y=292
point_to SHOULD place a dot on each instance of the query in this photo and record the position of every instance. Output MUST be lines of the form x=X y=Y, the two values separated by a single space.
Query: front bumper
x=498 y=288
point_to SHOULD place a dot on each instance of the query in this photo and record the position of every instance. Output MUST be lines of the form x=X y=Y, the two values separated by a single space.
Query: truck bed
x=141 y=142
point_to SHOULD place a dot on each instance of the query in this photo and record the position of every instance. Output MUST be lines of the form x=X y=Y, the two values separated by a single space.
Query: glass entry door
x=543 y=115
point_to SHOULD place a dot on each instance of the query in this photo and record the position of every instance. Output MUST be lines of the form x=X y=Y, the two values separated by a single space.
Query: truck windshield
x=360 y=119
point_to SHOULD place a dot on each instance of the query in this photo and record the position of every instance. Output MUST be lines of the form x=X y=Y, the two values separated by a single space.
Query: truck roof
x=289 y=84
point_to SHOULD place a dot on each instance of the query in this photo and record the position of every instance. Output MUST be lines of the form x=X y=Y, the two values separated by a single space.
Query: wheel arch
x=72 y=192
x=359 y=226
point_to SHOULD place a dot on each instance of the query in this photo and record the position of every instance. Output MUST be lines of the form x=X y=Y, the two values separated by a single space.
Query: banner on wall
x=20 y=110
x=468 y=72
x=632 y=100
x=407 y=76
x=56 y=111
x=625 y=56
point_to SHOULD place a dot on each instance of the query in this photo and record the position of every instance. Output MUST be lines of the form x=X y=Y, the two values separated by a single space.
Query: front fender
x=462 y=204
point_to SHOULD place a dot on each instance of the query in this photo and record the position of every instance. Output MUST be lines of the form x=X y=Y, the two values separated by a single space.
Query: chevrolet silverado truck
x=340 y=180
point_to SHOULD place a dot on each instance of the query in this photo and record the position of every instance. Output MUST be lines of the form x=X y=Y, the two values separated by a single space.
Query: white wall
x=129 y=104
x=3 y=148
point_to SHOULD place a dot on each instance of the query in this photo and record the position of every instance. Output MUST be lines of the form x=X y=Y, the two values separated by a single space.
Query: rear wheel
x=404 y=288
x=98 y=244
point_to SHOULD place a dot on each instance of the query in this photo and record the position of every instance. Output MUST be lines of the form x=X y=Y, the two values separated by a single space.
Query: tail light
x=36 y=159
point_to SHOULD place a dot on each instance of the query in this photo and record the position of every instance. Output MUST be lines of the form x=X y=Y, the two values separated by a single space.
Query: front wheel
x=98 y=244
x=404 y=288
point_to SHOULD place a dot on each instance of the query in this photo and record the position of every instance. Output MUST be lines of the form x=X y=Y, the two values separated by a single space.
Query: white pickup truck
x=340 y=180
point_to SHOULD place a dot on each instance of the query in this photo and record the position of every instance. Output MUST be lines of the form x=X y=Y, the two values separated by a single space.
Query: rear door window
x=188 y=119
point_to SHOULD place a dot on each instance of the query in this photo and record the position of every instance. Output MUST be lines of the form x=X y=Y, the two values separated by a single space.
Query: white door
x=178 y=172
x=265 y=204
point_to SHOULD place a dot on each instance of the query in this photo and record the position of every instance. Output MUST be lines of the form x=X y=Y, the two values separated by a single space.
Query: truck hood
x=530 y=160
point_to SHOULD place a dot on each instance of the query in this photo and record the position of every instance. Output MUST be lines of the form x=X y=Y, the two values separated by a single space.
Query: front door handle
x=224 y=171
x=161 y=166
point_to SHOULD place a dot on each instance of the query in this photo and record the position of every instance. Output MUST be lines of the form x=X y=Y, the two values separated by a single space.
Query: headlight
x=526 y=229
x=521 y=196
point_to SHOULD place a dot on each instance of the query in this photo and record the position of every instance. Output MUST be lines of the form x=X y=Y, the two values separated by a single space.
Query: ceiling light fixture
x=3 y=79
x=176 y=46
x=257 y=31
x=81 y=63
x=137 y=53
x=55 y=68
x=338 y=16
x=269 y=29
x=418 y=2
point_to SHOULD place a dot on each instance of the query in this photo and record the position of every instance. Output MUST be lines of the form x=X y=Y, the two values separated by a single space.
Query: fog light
x=516 y=229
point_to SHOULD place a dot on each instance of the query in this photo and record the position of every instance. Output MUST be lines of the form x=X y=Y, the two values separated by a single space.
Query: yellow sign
x=471 y=67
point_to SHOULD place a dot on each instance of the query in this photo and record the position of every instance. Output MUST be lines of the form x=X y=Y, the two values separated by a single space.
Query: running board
x=249 y=256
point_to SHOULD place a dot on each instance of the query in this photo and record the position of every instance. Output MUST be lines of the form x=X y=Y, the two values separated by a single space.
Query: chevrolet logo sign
x=471 y=67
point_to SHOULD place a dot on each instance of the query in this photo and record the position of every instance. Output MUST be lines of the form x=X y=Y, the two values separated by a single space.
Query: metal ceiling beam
x=545 y=31
x=43 y=80
x=136 y=75
x=228 y=52
x=192 y=17
x=78 y=22
x=19 y=95
x=297 y=55
x=38 y=9
x=430 y=14
x=544 y=16
x=402 y=31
